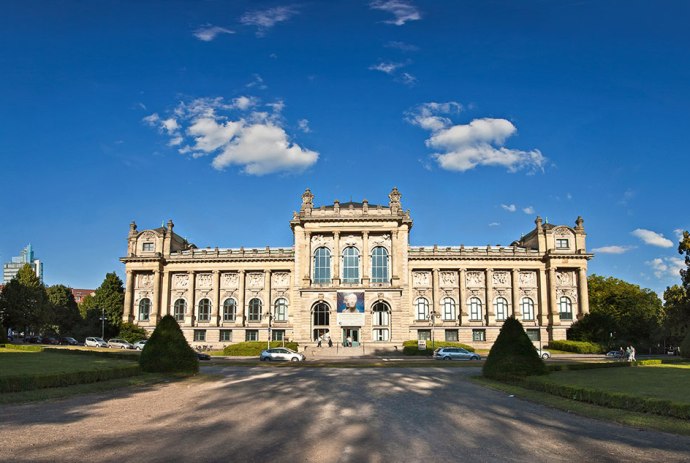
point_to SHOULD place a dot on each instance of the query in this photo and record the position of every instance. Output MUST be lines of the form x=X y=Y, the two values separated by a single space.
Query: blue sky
x=219 y=114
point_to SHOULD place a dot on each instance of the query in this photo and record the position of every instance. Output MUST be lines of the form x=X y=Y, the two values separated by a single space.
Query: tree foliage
x=64 y=312
x=513 y=354
x=677 y=307
x=131 y=332
x=685 y=346
x=24 y=302
x=111 y=297
x=684 y=248
x=619 y=311
x=168 y=351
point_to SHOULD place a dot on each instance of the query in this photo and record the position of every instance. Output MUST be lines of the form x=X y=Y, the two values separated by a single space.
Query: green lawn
x=16 y=363
x=668 y=381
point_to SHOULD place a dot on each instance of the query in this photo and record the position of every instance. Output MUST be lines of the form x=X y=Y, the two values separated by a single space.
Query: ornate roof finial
x=132 y=228
x=538 y=222
x=579 y=223
x=394 y=202
x=307 y=201
x=170 y=225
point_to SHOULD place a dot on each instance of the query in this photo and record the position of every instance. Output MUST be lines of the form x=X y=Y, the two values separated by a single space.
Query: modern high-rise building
x=10 y=269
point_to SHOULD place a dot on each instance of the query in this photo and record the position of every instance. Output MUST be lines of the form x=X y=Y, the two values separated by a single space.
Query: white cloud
x=679 y=233
x=303 y=125
x=509 y=207
x=666 y=266
x=401 y=46
x=235 y=133
x=494 y=224
x=208 y=32
x=407 y=78
x=266 y=19
x=652 y=238
x=257 y=82
x=613 y=249
x=465 y=146
x=528 y=210
x=386 y=67
x=402 y=10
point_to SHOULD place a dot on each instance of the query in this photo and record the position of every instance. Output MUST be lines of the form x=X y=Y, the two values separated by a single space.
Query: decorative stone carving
x=180 y=281
x=230 y=280
x=562 y=231
x=381 y=240
x=527 y=293
x=448 y=278
x=564 y=278
x=318 y=241
x=421 y=279
x=145 y=280
x=204 y=280
x=255 y=280
x=351 y=240
x=475 y=279
x=528 y=279
x=501 y=278
x=501 y=293
x=570 y=293
x=281 y=279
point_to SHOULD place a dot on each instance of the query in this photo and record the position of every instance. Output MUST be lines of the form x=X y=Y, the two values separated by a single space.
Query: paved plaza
x=261 y=414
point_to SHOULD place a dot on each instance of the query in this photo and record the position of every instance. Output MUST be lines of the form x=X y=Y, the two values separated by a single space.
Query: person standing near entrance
x=349 y=341
x=631 y=356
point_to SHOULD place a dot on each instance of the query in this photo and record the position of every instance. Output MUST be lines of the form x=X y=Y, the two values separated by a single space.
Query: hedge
x=41 y=381
x=22 y=347
x=410 y=347
x=254 y=348
x=579 y=347
x=115 y=354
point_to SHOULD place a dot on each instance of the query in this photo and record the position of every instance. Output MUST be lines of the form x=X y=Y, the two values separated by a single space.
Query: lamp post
x=102 y=323
x=432 y=317
x=269 y=315
x=536 y=324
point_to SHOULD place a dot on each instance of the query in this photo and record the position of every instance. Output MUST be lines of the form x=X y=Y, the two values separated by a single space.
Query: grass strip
x=624 y=417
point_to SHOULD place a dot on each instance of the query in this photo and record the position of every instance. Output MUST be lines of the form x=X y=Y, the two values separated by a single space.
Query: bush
x=41 y=381
x=24 y=347
x=167 y=351
x=3 y=335
x=685 y=346
x=513 y=354
x=132 y=333
x=579 y=347
x=410 y=347
x=254 y=348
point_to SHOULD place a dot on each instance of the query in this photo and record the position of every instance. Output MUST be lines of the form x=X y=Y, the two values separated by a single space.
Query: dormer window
x=562 y=243
x=147 y=247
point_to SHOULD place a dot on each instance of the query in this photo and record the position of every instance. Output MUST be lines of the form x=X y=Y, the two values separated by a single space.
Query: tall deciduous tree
x=110 y=298
x=684 y=248
x=63 y=309
x=24 y=302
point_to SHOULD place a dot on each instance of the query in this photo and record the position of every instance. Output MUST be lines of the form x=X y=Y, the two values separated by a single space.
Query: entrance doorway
x=352 y=333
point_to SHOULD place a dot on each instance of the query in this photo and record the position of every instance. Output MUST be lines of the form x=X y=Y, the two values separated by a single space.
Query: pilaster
x=553 y=298
x=462 y=303
x=515 y=293
x=366 y=258
x=215 y=308
x=129 y=291
x=583 y=305
x=336 y=259
x=490 y=315
x=156 y=309
x=543 y=308
x=241 y=308
x=191 y=299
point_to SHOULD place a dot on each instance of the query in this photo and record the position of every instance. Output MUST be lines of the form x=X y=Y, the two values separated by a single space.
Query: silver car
x=139 y=345
x=545 y=354
x=281 y=353
x=454 y=353
x=95 y=342
x=116 y=343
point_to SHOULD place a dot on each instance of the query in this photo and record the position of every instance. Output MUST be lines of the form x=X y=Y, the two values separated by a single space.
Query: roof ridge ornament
x=307 y=202
x=394 y=202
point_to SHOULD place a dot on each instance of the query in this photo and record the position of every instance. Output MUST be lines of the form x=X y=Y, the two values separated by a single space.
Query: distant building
x=10 y=269
x=80 y=294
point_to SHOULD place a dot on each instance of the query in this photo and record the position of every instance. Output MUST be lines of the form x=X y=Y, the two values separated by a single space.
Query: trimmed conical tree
x=3 y=335
x=167 y=351
x=685 y=346
x=513 y=354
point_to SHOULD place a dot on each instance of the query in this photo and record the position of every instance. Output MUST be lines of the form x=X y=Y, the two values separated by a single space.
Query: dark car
x=202 y=356
x=50 y=340
x=33 y=339
x=68 y=341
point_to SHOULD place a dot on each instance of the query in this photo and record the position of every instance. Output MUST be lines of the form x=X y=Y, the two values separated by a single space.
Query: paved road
x=319 y=415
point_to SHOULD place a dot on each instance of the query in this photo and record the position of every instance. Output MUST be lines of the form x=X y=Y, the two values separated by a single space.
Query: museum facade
x=351 y=274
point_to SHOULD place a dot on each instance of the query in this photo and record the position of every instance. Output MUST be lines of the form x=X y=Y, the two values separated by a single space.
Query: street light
x=102 y=318
x=270 y=319
x=432 y=317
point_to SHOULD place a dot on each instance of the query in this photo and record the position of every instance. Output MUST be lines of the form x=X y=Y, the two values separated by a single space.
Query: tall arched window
x=229 y=310
x=501 y=308
x=280 y=313
x=204 y=311
x=351 y=265
x=565 y=307
x=527 y=308
x=322 y=265
x=321 y=314
x=379 y=265
x=381 y=314
x=475 y=309
x=179 y=309
x=422 y=305
x=448 y=308
x=144 y=309
x=254 y=314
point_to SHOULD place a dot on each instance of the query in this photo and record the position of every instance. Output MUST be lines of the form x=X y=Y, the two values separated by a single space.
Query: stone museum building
x=351 y=274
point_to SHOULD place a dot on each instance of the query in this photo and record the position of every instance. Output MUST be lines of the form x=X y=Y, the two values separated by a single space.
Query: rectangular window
x=277 y=335
x=479 y=335
x=200 y=335
x=452 y=335
x=252 y=335
x=225 y=336
x=562 y=243
x=424 y=335
x=380 y=334
x=533 y=334
x=147 y=247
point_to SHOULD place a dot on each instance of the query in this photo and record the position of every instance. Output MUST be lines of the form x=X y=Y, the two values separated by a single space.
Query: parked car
x=33 y=339
x=203 y=356
x=67 y=341
x=95 y=342
x=616 y=354
x=544 y=354
x=139 y=345
x=50 y=340
x=454 y=353
x=281 y=353
x=117 y=343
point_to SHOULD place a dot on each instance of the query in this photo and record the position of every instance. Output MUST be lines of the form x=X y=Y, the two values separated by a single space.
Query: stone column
x=515 y=293
x=336 y=259
x=365 y=260
x=156 y=306
x=435 y=291
x=582 y=287
x=553 y=297
x=191 y=288
x=165 y=294
x=129 y=290
x=306 y=278
x=462 y=303
x=215 y=308
x=241 y=309
x=267 y=285
x=490 y=315
x=543 y=308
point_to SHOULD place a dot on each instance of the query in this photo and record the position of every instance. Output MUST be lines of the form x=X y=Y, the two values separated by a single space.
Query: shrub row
x=579 y=347
x=115 y=354
x=42 y=381
x=608 y=399
x=22 y=347
x=252 y=348
x=410 y=347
